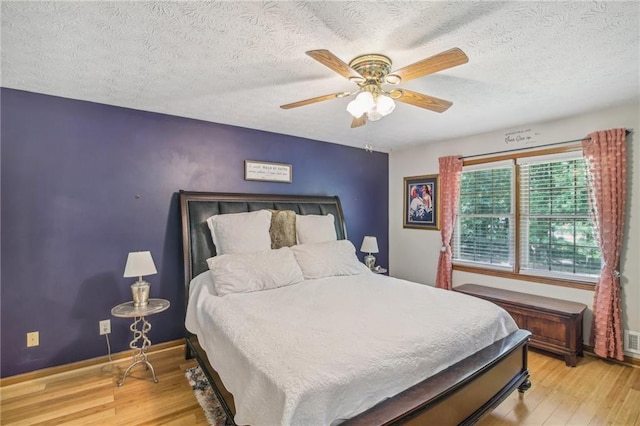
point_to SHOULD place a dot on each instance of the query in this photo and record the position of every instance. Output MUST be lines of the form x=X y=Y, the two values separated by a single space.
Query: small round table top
x=127 y=310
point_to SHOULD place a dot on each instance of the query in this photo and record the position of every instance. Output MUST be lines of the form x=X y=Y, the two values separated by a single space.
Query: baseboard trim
x=628 y=360
x=92 y=362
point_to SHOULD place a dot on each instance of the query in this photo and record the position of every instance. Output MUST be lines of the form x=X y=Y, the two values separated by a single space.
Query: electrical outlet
x=33 y=339
x=105 y=326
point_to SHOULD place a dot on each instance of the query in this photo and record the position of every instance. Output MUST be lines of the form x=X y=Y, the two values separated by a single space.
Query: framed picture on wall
x=421 y=202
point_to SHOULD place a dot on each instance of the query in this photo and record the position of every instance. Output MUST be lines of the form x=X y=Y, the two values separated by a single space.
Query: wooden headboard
x=197 y=207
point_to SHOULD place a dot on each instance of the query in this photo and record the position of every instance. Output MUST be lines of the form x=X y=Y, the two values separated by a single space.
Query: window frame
x=510 y=164
x=514 y=272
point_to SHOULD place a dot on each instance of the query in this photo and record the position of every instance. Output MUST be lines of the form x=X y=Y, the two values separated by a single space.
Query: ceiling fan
x=371 y=71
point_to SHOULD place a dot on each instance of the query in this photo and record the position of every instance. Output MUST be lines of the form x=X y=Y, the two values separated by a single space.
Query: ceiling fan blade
x=358 y=122
x=439 y=62
x=331 y=61
x=314 y=100
x=420 y=100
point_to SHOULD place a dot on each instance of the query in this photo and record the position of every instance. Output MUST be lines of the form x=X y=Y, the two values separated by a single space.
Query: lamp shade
x=361 y=104
x=369 y=245
x=355 y=109
x=384 y=105
x=139 y=263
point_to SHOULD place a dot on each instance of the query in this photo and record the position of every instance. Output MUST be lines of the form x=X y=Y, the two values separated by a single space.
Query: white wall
x=413 y=253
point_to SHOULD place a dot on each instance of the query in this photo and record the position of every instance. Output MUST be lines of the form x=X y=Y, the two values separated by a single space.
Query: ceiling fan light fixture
x=385 y=105
x=374 y=115
x=361 y=104
x=355 y=109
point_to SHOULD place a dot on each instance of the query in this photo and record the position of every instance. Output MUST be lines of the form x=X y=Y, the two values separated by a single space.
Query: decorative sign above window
x=521 y=137
x=268 y=172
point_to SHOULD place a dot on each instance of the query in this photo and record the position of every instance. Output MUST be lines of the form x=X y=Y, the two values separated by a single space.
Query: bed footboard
x=458 y=395
x=462 y=393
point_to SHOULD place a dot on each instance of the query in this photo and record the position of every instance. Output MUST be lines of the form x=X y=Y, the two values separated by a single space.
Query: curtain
x=450 y=174
x=605 y=154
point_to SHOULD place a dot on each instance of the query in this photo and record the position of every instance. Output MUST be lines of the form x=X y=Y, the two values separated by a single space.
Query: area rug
x=206 y=396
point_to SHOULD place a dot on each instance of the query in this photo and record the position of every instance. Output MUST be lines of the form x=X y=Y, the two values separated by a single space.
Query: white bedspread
x=322 y=351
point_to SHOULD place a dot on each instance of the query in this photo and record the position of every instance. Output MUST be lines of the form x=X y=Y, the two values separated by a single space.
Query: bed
x=458 y=393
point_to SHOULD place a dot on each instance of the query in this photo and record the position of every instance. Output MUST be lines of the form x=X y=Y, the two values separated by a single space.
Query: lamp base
x=140 y=293
x=370 y=261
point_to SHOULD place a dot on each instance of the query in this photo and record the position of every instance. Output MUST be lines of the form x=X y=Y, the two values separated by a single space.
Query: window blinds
x=556 y=234
x=484 y=224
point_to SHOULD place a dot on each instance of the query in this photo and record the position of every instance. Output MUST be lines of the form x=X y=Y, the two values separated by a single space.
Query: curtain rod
x=628 y=132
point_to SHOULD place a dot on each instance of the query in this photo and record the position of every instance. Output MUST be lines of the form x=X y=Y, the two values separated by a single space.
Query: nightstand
x=138 y=313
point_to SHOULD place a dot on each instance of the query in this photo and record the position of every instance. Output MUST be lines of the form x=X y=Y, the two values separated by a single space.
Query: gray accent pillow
x=283 y=228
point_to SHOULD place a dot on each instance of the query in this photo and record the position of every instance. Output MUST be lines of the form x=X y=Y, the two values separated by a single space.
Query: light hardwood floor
x=593 y=393
x=90 y=396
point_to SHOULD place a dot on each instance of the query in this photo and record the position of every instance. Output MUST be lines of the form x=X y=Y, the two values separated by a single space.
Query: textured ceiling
x=237 y=62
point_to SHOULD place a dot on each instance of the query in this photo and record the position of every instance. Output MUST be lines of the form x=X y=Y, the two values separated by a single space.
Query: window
x=548 y=217
x=484 y=231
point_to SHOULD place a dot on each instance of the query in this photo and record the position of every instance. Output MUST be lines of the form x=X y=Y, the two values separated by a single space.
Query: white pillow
x=311 y=228
x=328 y=259
x=241 y=232
x=203 y=279
x=263 y=270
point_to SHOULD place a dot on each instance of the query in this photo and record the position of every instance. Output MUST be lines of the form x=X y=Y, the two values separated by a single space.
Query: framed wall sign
x=421 y=202
x=268 y=172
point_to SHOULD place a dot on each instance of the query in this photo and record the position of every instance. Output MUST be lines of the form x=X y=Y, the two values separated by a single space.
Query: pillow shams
x=248 y=272
x=313 y=228
x=241 y=232
x=328 y=259
x=203 y=279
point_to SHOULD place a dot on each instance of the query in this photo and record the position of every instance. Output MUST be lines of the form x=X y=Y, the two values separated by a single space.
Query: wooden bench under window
x=555 y=325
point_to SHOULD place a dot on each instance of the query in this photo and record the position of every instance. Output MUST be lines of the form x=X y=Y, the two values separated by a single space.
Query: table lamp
x=140 y=263
x=369 y=245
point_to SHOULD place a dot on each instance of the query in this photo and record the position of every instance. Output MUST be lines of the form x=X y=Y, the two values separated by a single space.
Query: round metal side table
x=140 y=327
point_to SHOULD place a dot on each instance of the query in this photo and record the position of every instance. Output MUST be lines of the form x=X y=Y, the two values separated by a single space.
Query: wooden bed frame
x=460 y=394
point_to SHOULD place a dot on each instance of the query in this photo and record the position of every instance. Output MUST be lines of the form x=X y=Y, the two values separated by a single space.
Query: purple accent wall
x=71 y=172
